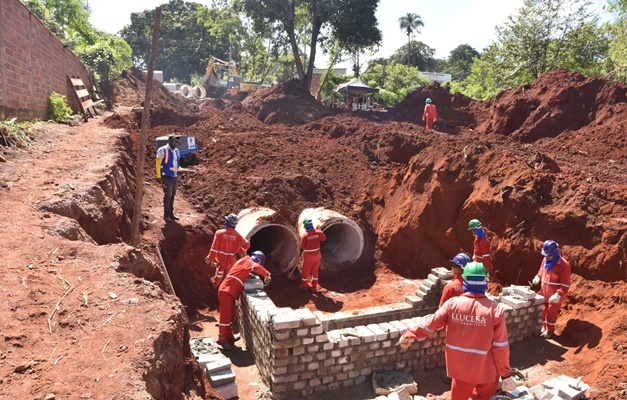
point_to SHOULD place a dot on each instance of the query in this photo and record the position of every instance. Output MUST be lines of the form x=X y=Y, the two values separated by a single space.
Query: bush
x=13 y=133
x=58 y=110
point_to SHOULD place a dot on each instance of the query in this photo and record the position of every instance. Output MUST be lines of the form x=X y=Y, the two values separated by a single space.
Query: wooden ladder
x=84 y=98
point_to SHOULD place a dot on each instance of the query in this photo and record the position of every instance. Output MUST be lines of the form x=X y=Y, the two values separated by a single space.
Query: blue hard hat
x=428 y=101
x=232 y=219
x=258 y=257
x=549 y=247
x=461 y=260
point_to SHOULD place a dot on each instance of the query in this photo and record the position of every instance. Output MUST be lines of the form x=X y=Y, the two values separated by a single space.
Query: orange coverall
x=430 y=114
x=556 y=280
x=310 y=243
x=226 y=244
x=452 y=289
x=477 y=347
x=482 y=252
x=230 y=290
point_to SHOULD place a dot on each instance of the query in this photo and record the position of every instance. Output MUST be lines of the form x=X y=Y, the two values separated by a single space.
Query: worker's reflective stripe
x=229 y=324
x=557 y=284
x=465 y=350
x=314 y=279
x=500 y=344
x=548 y=323
x=219 y=273
x=236 y=278
x=305 y=279
x=481 y=282
x=309 y=251
x=166 y=156
x=223 y=253
x=486 y=255
x=242 y=249
x=426 y=328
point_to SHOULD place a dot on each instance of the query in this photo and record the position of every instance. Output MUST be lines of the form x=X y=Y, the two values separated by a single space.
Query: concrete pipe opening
x=199 y=92
x=186 y=91
x=345 y=240
x=269 y=232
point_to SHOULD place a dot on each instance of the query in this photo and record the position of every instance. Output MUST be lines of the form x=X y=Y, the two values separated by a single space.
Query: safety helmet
x=428 y=101
x=232 y=218
x=258 y=257
x=474 y=224
x=474 y=269
x=461 y=260
x=307 y=221
x=549 y=247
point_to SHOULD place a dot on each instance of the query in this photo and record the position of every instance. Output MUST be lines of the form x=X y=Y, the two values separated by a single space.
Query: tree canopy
x=618 y=39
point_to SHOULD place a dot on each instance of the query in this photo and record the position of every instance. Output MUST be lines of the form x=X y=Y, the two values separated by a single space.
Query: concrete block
x=433 y=279
x=421 y=293
x=218 y=365
x=379 y=333
x=323 y=319
x=286 y=319
x=514 y=302
x=307 y=316
x=443 y=273
x=524 y=292
x=538 y=300
x=222 y=377
x=228 y=391
x=204 y=359
x=253 y=284
x=415 y=301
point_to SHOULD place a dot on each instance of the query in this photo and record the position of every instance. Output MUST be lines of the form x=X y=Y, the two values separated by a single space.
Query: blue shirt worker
x=167 y=166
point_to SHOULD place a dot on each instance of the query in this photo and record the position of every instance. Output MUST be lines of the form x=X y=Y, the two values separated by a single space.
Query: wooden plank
x=82 y=93
x=86 y=104
x=77 y=82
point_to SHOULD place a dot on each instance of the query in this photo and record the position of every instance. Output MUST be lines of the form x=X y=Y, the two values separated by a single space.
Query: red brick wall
x=33 y=64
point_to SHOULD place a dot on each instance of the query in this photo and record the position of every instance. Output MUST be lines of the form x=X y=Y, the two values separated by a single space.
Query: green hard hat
x=307 y=221
x=474 y=224
x=474 y=269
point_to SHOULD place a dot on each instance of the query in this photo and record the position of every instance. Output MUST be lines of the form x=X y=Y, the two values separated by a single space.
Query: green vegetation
x=58 y=109
x=13 y=133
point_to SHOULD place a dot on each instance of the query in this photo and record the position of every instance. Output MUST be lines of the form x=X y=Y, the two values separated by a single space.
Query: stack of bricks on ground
x=300 y=352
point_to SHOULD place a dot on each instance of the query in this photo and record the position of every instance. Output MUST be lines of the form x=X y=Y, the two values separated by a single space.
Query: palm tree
x=410 y=23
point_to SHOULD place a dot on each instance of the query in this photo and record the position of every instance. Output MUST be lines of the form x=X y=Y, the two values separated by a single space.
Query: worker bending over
x=554 y=274
x=477 y=347
x=227 y=243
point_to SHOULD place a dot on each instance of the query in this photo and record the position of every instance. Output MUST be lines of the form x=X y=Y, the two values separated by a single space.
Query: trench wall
x=33 y=64
x=300 y=352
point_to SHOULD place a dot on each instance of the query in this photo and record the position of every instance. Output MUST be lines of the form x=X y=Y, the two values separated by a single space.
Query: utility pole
x=141 y=158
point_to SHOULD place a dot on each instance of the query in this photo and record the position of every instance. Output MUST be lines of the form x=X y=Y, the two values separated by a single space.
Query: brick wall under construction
x=33 y=64
x=300 y=352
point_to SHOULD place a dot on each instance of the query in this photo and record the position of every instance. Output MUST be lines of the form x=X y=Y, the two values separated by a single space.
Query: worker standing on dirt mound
x=554 y=274
x=167 y=166
x=481 y=245
x=430 y=114
x=227 y=244
x=455 y=287
x=477 y=347
x=310 y=243
x=232 y=288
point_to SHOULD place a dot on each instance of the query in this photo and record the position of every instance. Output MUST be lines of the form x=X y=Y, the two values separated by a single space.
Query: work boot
x=234 y=339
x=168 y=218
x=303 y=289
x=546 y=334
x=174 y=217
x=226 y=346
x=313 y=289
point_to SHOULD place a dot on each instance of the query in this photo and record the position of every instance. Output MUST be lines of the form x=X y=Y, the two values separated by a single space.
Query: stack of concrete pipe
x=280 y=241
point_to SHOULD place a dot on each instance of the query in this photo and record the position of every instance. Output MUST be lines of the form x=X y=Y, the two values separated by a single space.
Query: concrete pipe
x=186 y=91
x=272 y=234
x=345 y=240
x=199 y=92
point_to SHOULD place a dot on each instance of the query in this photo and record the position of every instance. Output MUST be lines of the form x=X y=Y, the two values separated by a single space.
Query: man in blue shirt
x=167 y=166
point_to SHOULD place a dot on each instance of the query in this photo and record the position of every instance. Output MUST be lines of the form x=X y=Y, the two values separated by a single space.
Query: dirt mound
x=557 y=105
x=286 y=103
x=455 y=112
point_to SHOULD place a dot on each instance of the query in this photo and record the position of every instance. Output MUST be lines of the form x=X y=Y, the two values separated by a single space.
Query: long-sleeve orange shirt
x=430 y=112
x=234 y=280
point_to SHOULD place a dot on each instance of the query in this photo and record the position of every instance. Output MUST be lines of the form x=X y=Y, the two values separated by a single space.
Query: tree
x=618 y=42
x=395 y=81
x=186 y=39
x=460 y=61
x=419 y=52
x=352 y=22
x=410 y=23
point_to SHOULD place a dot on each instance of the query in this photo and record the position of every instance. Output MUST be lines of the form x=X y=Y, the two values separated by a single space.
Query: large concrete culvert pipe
x=345 y=240
x=272 y=234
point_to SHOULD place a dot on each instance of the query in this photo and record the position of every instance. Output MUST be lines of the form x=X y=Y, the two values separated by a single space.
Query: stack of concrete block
x=222 y=377
x=430 y=289
x=560 y=388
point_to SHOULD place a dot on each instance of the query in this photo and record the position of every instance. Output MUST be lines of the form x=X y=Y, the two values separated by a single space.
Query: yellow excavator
x=221 y=76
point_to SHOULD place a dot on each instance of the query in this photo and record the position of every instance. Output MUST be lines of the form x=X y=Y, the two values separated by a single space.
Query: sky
x=447 y=23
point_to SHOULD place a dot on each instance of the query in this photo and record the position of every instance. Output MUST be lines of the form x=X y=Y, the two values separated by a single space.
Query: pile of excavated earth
x=544 y=161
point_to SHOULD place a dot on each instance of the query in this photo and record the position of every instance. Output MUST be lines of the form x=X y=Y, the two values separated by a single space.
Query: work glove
x=267 y=280
x=405 y=342
x=555 y=298
x=536 y=281
x=508 y=384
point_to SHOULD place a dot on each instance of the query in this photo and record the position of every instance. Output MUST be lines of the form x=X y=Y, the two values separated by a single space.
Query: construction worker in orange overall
x=310 y=243
x=430 y=114
x=233 y=94
x=554 y=274
x=477 y=347
x=456 y=286
x=481 y=245
x=227 y=243
x=232 y=288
